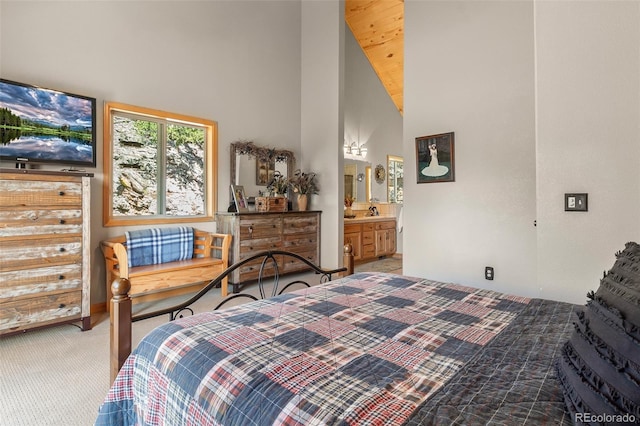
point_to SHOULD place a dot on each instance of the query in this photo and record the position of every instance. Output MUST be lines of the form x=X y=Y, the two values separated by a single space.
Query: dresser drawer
x=27 y=222
x=23 y=313
x=367 y=237
x=35 y=253
x=25 y=283
x=385 y=225
x=259 y=228
x=352 y=227
x=368 y=251
x=292 y=264
x=250 y=247
x=298 y=243
x=19 y=192
x=251 y=270
x=302 y=224
x=367 y=227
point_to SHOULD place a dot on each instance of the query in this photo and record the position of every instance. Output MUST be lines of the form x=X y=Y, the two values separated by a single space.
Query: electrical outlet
x=488 y=272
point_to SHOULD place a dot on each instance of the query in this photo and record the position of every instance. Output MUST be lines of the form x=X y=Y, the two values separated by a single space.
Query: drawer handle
x=62 y=221
x=251 y=232
x=61 y=193
x=61 y=277
x=62 y=249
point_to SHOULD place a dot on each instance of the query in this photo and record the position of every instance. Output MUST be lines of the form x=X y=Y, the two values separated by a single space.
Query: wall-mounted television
x=39 y=125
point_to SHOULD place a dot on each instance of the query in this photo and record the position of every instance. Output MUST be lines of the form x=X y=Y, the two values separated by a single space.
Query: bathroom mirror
x=395 y=179
x=355 y=181
x=252 y=166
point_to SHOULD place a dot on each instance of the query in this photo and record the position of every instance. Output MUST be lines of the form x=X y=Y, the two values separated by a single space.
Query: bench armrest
x=115 y=256
x=220 y=245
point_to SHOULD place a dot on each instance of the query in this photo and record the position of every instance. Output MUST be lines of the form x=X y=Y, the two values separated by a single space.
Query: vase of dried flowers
x=303 y=184
x=348 y=202
x=303 y=200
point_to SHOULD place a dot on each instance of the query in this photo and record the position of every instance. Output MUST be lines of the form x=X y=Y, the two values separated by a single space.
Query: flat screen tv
x=39 y=125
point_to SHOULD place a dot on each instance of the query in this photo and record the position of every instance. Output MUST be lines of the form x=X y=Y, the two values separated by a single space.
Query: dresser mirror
x=252 y=166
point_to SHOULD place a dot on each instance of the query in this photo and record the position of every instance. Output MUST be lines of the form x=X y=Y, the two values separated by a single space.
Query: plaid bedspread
x=159 y=245
x=369 y=349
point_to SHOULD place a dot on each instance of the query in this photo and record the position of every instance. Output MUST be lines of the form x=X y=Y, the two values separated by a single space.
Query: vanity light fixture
x=354 y=151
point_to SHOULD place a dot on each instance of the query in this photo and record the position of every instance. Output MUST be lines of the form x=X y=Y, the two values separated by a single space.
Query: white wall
x=588 y=131
x=237 y=63
x=322 y=116
x=469 y=69
x=544 y=99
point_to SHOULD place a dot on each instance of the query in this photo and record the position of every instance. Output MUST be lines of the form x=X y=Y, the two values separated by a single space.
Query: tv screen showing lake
x=48 y=148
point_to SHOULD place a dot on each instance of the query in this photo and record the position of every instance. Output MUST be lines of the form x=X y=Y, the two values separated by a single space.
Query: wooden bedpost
x=347 y=259
x=120 y=324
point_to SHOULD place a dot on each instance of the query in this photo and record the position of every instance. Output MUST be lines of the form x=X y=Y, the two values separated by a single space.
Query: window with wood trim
x=395 y=179
x=159 y=167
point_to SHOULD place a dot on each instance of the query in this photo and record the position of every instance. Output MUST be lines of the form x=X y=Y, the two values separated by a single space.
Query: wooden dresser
x=295 y=231
x=370 y=237
x=44 y=249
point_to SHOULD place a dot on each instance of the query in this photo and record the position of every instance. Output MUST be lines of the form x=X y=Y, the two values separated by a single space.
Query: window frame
x=394 y=185
x=210 y=157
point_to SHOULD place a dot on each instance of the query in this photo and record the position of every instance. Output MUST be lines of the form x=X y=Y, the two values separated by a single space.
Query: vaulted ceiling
x=378 y=26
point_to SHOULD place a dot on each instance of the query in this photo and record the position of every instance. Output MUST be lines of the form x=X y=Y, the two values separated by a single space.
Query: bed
x=365 y=349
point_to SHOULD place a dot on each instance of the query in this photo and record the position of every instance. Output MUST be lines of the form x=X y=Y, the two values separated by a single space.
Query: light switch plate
x=576 y=202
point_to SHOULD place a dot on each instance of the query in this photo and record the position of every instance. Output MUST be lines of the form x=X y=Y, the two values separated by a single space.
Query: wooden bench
x=149 y=282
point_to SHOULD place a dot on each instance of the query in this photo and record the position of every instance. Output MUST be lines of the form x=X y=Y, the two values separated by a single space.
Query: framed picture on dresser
x=239 y=198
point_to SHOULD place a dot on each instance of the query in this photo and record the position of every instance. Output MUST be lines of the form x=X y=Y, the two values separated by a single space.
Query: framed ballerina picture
x=434 y=158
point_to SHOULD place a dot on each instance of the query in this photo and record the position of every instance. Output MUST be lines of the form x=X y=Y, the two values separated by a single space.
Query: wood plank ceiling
x=378 y=26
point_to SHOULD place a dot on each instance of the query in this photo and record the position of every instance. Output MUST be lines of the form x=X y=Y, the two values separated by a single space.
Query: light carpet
x=388 y=264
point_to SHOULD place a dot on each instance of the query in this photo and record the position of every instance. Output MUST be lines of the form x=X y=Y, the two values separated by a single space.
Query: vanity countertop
x=363 y=219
